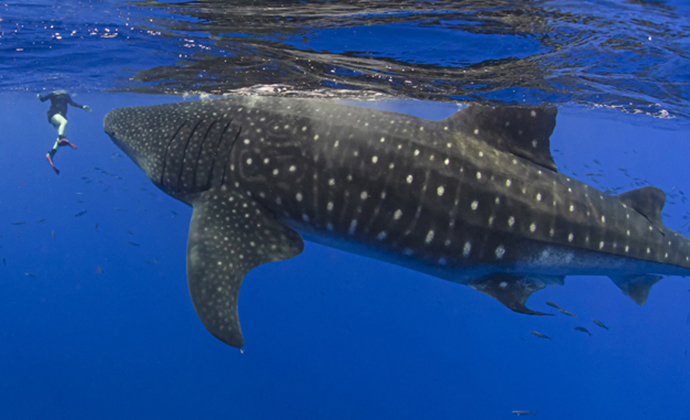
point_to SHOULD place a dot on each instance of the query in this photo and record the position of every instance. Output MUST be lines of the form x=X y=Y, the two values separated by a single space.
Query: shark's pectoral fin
x=636 y=286
x=513 y=289
x=229 y=235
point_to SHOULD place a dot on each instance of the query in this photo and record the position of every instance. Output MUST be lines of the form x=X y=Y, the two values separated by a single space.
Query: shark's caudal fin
x=648 y=201
x=229 y=235
x=523 y=131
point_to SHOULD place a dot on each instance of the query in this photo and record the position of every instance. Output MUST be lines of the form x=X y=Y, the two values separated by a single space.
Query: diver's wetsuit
x=57 y=116
x=59 y=100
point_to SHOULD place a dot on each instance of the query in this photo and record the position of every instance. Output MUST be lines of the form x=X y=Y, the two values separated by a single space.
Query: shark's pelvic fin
x=229 y=235
x=648 y=201
x=636 y=286
x=523 y=131
x=513 y=289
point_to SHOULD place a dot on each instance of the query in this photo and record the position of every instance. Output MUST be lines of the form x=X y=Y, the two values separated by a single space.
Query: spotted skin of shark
x=475 y=199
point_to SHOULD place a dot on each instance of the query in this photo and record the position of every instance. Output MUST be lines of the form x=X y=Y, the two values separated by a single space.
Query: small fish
x=583 y=329
x=524 y=413
x=133 y=243
x=554 y=305
x=99 y=269
x=81 y=213
x=540 y=335
x=40 y=220
x=19 y=233
x=52 y=232
x=601 y=324
x=29 y=275
x=96 y=228
x=3 y=261
x=567 y=312
x=130 y=232
x=174 y=213
x=18 y=223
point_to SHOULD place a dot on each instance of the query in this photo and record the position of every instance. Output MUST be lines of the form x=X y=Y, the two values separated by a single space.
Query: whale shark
x=475 y=198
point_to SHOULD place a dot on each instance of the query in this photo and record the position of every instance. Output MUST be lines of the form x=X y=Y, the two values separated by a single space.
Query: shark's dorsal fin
x=521 y=130
x=648 y=201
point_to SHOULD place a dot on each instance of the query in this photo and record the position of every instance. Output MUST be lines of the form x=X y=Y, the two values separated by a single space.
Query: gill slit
x=184 y=154
x=167 y=149
x=198 y=155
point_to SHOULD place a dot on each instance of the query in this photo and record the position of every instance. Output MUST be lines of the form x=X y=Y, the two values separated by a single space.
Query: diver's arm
x=84 y=107
x=44 y=98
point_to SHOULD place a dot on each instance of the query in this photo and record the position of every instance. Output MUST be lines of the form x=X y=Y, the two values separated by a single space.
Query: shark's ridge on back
x=475 y=199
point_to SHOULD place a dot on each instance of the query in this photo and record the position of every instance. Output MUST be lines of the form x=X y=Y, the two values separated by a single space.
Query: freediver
x=57 y=116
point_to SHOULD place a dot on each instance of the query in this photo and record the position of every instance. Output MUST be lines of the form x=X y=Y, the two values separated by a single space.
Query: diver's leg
x=60 y=124
x=50 y=155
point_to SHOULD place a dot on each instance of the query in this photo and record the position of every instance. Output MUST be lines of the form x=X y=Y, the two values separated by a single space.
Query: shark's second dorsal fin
x=648 y=201
x=521 y=130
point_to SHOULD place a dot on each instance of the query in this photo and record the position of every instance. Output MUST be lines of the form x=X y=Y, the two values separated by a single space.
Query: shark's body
x=474 y=199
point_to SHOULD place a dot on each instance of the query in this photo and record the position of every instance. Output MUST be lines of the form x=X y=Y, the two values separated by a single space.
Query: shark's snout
x=128 y=133
x=110 y=123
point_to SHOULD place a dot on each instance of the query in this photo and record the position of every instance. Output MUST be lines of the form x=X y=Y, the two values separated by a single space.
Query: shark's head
x=141 y=133
x=184 y=148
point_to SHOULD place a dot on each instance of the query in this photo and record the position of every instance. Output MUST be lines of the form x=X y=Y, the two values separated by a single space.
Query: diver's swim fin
x=50 y=160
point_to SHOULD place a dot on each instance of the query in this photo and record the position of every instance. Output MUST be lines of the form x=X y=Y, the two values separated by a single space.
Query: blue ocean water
x=96 y=319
